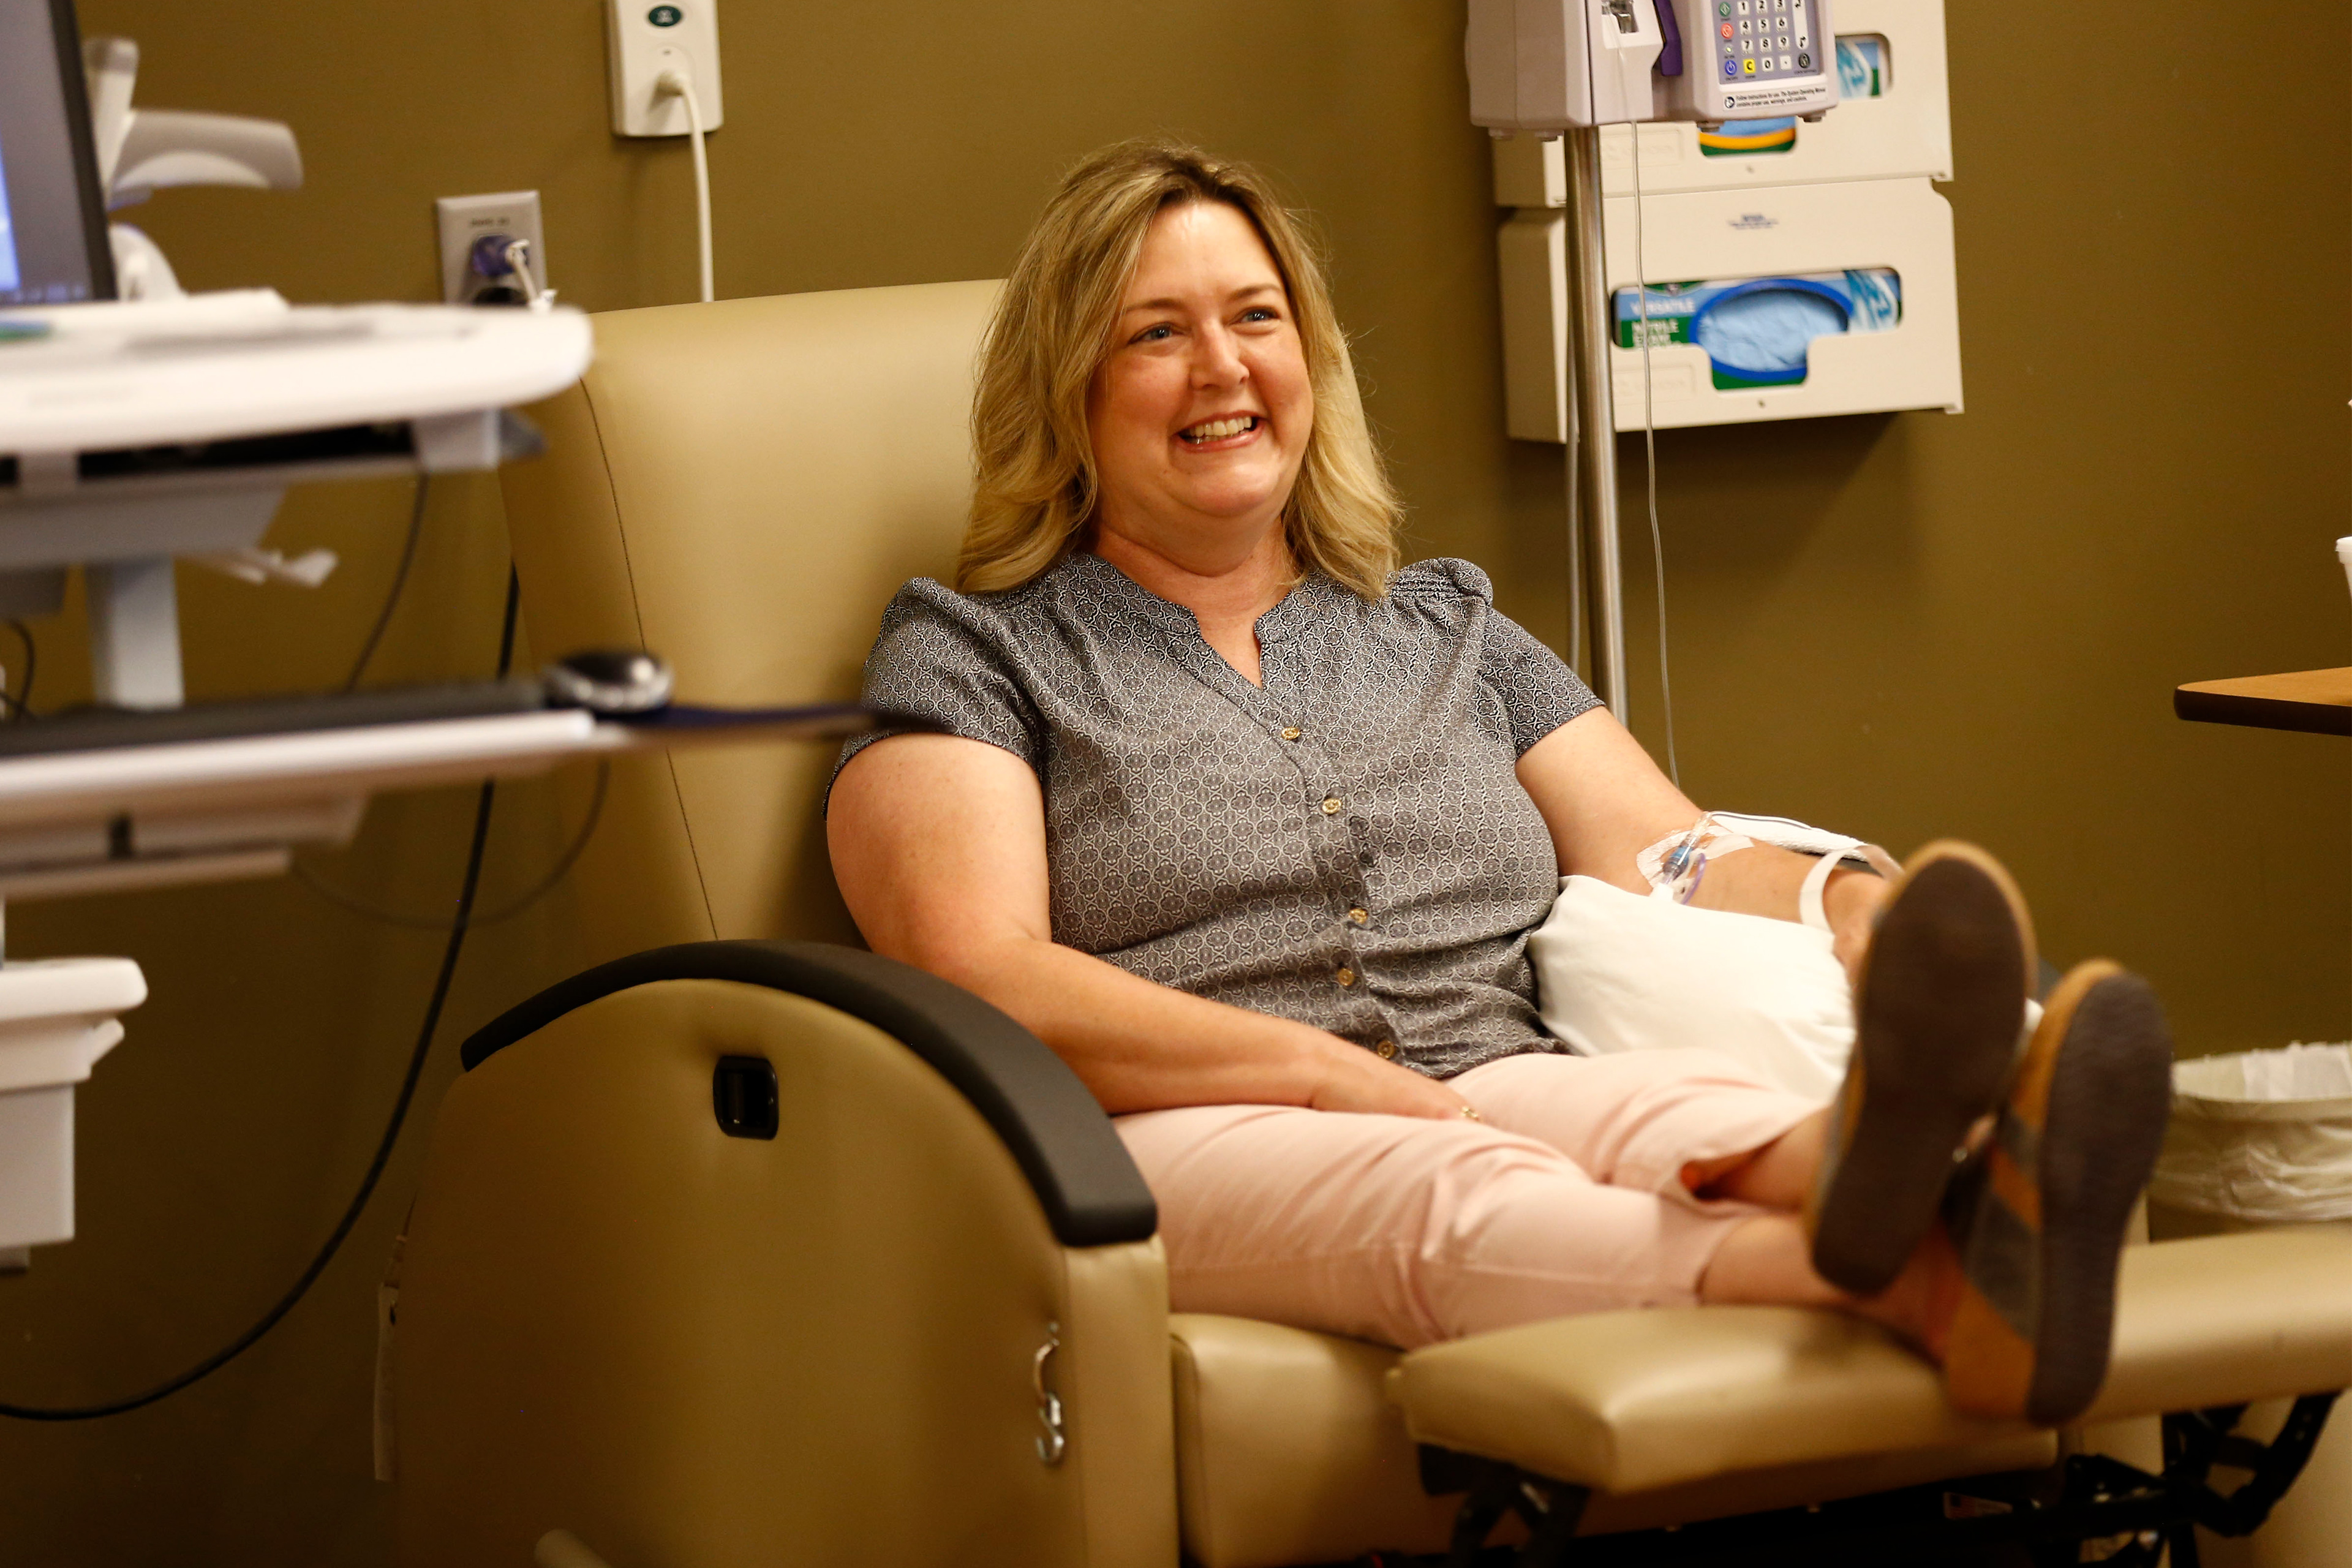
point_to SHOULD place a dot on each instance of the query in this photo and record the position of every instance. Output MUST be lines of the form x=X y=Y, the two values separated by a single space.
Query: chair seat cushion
x=1628 y=1401
x=1288 y=1451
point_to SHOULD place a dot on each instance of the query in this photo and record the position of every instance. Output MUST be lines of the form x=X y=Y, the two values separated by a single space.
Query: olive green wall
x=1902 y=626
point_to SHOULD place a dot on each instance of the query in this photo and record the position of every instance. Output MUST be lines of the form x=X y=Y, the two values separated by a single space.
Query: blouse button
x=1292 y=732
x=1359 y=916
x=1345 y=977
x=1387 y=1049
x=1332 y=805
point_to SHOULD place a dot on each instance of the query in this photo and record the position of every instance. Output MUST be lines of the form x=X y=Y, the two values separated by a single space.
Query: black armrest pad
x=1089 y=1188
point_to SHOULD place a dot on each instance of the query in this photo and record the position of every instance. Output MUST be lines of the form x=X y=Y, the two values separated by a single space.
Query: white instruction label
x=1768 y=97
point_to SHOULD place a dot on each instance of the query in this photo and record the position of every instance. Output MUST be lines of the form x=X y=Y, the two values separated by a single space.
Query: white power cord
x=673 y=82
x=518 y=260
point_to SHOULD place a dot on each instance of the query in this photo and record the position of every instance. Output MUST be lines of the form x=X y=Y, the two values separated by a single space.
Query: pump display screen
x=1756 y=40
x=52 y=223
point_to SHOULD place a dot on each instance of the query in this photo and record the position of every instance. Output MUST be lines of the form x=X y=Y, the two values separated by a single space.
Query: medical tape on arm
x=1675 y=865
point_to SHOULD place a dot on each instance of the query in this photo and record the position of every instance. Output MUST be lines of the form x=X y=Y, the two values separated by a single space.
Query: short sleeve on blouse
x=1539 y=690
x=940 y=657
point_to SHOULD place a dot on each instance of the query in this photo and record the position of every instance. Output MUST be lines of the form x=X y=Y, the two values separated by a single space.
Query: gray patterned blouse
x=1348 y=846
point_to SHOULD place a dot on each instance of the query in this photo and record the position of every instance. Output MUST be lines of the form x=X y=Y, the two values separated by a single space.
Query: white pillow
x=1625 y=972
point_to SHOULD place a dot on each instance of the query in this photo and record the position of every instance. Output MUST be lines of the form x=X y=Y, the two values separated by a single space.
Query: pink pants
x=1568 y=1198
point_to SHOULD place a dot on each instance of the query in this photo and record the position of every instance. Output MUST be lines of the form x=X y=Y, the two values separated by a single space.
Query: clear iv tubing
x=1572 y=414
x=1650 y=456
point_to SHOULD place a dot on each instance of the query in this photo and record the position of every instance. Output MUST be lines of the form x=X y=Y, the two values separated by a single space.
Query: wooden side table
x=2314 y=701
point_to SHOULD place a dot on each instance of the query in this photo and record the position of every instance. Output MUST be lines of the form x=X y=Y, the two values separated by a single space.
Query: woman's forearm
x=1764 y=880
x=1604 y=799
x=1140 y=1045
x=1761 y=880
x=1143 y=1046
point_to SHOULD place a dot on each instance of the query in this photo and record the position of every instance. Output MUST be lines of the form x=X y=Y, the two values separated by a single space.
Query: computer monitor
x=53 y=245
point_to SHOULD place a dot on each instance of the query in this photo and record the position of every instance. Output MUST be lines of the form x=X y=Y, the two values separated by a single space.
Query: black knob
x=609 y=680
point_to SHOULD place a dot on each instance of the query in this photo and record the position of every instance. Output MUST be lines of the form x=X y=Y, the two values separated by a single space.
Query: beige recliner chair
x=737 y=1251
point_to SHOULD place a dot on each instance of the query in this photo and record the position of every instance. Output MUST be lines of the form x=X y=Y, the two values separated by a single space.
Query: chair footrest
x=1631 y=1400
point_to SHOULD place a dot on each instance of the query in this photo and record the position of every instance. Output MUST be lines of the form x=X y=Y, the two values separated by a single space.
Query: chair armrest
x=1067 y=1147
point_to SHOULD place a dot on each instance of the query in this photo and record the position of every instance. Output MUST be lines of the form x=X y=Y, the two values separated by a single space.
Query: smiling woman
x=1252 y=827
x=1075 y=295
x=1202 y=416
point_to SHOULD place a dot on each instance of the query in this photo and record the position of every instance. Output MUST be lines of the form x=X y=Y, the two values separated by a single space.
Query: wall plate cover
x=465 y=219
x=644 y=38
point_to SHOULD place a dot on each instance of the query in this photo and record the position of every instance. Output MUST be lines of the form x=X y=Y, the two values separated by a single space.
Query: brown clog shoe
x=2040 y=1213
x=1938 y=1008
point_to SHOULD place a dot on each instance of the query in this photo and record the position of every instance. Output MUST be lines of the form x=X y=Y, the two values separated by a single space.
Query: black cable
x=399 y=582
x=23 y=700
x=563 y=862
x=416 y=1059
x=540 y=889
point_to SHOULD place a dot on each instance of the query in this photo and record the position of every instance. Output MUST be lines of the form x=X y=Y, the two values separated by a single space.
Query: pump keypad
x=1758 y=39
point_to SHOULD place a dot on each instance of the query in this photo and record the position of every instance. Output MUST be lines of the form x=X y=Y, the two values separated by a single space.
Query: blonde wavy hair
x=1033 y=455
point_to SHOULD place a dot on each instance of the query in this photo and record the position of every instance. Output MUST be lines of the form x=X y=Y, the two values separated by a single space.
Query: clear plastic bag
x=2261 y=1137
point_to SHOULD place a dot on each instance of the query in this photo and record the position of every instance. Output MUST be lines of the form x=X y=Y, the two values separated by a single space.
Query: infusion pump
x=1548 y=66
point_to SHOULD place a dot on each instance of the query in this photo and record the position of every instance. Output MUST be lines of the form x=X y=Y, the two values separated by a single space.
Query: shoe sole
x=2102 y=1115
x=1938 y=1008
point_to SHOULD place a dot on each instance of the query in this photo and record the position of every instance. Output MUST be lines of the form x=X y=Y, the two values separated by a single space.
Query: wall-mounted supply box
x=1808 y=247
x=1892 y=122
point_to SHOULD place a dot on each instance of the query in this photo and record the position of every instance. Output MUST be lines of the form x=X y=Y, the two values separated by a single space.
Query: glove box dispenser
x=1784 y=302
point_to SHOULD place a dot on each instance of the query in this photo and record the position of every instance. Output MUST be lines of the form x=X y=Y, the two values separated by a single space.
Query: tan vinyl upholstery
x=1627 y=1402
x=2186 y=1338
x=1289 y=1450
x=702 y=1347
x=741 y=488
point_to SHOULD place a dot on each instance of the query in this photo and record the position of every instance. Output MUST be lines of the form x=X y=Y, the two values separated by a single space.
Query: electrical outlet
x=466 y=220
x=645 y=38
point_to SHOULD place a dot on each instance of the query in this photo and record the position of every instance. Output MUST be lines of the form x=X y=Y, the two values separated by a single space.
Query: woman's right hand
x=1354 y=1079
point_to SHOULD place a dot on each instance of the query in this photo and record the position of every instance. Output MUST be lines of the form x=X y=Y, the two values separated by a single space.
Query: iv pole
x=1591 y=423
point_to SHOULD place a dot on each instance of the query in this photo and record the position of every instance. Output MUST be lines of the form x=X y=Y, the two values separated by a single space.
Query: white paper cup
x=2344 y=554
